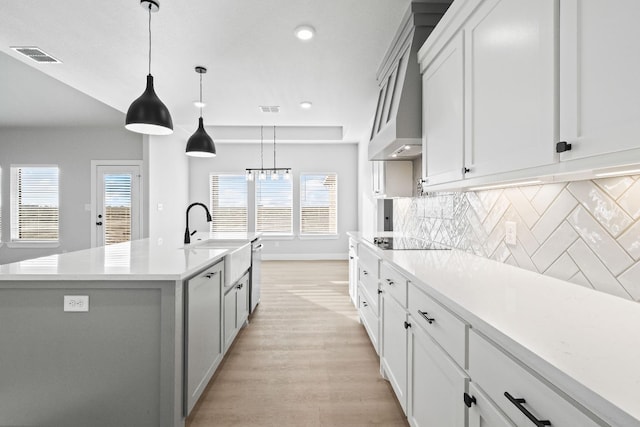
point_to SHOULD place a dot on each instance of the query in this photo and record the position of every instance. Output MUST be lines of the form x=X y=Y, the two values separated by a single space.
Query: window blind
x=117 y=205
x=319 y=203
x=34 y=203
x=228 y=203
x=274 y=206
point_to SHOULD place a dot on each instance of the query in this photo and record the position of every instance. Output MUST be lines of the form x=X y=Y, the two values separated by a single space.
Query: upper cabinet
x=599 y=69
x=505 y=81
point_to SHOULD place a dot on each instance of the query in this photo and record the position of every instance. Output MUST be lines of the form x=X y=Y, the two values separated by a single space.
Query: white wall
x=368 y=206
x=72 y=149
x=302 y=158
x=168 y=187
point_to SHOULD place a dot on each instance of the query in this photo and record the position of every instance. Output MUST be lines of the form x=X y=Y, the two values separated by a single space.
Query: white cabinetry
x=436 y=384
x=203 y=344
x=393 y=348
x=599 y=85
x=521 y=395
x=392 y=178
x=368 y=295
x=353 y=271
x=482 y=413
x=443 y=114
x=236 y=309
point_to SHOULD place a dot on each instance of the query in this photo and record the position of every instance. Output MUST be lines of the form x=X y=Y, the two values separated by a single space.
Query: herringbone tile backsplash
x=586 y=232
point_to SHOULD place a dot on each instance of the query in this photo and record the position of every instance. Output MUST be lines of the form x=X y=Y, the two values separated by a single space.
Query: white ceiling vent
x=36 y=54
x=269 y=108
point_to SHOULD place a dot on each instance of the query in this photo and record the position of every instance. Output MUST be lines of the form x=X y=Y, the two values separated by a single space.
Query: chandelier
x=263 y=173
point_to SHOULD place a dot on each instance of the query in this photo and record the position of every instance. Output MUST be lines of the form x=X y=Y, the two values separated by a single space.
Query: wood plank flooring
x=304 y=360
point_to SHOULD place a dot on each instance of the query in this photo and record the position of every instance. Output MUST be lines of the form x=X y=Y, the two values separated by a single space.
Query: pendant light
x=147 y=114
x=273 y=172
x=200 y=144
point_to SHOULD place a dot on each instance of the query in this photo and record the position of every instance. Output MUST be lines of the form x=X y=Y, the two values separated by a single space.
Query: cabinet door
x=443 y=115
x=394 y=347
x=353 y=272
x=230 y=316
x=599 y=69
x=242 y=301
x=482 y=413
x=203 y=343
x=510 y=86
x=436 y=384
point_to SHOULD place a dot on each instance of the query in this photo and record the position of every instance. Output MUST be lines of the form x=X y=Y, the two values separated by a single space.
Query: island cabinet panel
x=482 y=412
x=599 y=85
x=103 y=367
x=203 y=339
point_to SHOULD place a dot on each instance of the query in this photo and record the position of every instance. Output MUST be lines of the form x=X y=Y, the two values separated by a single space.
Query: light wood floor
x=304 y=360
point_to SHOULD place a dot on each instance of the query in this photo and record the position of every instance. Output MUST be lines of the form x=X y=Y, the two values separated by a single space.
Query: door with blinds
x=117 y=214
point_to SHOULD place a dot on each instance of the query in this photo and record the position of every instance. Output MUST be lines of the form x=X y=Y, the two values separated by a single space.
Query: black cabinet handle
x=563 y=146
x=365 y=272
x=469 y=400
x=210 y=275
x=390 y=282
x=519 y=403
x=427 y=318
x=240 y=286
x=407 y=325
x=379 y=291
x=99 y=223
x=364 y=304
x=350 y=257
x=465 y=170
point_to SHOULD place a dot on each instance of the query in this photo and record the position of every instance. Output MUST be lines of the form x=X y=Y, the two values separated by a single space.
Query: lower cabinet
x=236 y=309
x=393 y=356
x=203 y=344
x=482 y=413
x=436 y=384
x=368 y=312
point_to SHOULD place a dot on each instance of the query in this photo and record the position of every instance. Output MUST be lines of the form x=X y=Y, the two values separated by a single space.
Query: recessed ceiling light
x=306 y=104
x=199 y=104
x=407 y=147
x=305 y=32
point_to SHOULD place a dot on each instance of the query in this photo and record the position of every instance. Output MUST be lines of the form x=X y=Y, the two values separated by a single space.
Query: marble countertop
x=136 y=260
x=585 y=341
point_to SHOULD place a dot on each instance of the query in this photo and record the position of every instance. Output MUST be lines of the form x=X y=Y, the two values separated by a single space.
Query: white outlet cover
x=76 y=303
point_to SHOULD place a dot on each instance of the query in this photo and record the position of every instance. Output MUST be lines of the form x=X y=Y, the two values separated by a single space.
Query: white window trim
x=31 y=244
x=311 y=236
x=94 y=196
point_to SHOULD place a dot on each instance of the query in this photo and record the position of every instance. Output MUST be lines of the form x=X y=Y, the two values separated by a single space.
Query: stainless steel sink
x=236 y=262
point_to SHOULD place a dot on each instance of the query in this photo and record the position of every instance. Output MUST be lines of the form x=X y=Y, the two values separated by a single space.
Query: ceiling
x=248 y=47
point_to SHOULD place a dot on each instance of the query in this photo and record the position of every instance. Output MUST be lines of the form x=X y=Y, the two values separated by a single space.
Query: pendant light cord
x=274 y=148
x=201 y=95
x=149 y=38
x=261 y=150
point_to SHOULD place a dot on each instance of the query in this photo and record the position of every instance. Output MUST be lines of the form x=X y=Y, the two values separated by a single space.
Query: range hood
x=397 y=121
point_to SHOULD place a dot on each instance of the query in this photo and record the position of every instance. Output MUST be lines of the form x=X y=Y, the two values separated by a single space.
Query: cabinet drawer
x=394 y=283
x=368 y=317
x=445 y=327
x=498 y=374
x=368 y=259
x=369 y=281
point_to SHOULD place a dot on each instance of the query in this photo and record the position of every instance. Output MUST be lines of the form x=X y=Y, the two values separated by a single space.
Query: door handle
x=99 y=223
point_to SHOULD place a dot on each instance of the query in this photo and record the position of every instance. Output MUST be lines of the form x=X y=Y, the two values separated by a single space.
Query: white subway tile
x=603 y=208
x=554 y=246
x=554 y=215
x=546 y=195
x=563 y=268
x=630 y=241
x=522 y=205
x=630 y=200
x=630 y=279
x=615 y=186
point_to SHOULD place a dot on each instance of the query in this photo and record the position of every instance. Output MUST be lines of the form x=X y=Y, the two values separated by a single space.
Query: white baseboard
x=305 y=257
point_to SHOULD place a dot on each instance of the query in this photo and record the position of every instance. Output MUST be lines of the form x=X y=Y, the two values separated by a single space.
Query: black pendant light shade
x=148 y=114
x=200 y=144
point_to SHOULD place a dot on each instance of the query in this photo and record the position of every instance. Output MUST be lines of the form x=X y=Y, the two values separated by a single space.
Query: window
x=228 y=202
x=117 y=208
x=34 y=203
x=319 y=204
x=274 y=206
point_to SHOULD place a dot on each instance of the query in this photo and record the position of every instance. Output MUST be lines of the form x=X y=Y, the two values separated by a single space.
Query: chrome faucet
x=187 y=235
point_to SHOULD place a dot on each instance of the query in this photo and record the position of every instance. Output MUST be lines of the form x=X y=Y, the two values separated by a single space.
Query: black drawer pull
x=379 y=291
x=365 y=272
x=469 y=400
x=390 y=282
x=210 y=275
x=427 y=318
x=407 y=325
x=519 y=403
x=364 y=304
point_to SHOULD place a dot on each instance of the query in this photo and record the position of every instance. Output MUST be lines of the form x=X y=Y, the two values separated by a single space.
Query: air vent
x=36 y=54
x=269 y=108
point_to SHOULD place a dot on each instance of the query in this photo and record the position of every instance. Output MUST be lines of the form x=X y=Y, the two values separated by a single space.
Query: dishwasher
x=254 y=282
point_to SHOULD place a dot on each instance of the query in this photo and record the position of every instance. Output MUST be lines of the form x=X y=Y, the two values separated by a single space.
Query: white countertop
x=585 y=340
x=235 y=236
x=136 y=260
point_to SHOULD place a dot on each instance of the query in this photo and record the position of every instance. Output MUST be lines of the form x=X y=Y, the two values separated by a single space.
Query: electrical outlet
x=510 y=236
x=76 y=303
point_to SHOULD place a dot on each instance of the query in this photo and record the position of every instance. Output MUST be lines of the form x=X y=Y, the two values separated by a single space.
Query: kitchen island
x=98 y=337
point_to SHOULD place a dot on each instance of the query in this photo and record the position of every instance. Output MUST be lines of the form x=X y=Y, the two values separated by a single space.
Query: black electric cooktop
x=406 y=243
